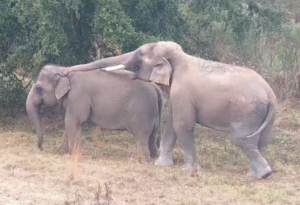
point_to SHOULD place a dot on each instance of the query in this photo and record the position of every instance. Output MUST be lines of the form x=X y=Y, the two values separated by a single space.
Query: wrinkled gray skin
x=223 y=97
x=112 y=101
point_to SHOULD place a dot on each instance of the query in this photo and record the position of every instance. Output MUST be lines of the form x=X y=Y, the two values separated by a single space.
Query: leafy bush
x=287 y=62
x=11 y=91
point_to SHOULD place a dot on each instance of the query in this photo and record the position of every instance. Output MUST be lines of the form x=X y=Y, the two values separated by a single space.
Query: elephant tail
x=160 y=110
x=272 y=110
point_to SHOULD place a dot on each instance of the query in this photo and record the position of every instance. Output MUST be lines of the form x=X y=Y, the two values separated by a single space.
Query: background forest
x=264 y=35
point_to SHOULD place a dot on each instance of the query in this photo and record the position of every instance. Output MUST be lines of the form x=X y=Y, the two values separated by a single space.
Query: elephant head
x=155 y=61
x=48 y=90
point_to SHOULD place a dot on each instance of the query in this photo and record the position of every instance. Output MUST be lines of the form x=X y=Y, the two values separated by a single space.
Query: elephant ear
x=62 y=87
x=161 y=73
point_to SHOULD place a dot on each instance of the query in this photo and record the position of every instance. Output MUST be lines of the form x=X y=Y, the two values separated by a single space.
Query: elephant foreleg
x=184 y=121
x=73 y=130
x=77 y=112
x=64 y=147
x=167 y=143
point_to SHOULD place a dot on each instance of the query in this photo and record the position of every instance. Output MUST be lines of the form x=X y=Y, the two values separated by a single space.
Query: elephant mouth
x=134 y=76
x=137 y=75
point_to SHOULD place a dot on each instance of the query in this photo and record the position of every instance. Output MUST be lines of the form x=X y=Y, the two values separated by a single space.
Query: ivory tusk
x=113 y=68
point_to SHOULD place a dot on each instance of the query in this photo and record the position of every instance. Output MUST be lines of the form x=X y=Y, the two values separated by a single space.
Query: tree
x=234 y=21
x=67 y=32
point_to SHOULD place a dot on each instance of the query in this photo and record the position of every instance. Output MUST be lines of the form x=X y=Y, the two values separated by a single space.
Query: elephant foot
x=154 y=154
x=190 y=166
x=262 y=173
x=251 y=173
x=145 y=160
x=63 y=150
x=164 y=161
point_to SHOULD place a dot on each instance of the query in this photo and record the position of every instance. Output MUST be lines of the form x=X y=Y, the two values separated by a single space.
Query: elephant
x=219 y=96
x=111 y=100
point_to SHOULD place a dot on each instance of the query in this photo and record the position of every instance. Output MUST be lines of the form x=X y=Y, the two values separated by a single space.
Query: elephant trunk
x=32 y=105
x=102 y=63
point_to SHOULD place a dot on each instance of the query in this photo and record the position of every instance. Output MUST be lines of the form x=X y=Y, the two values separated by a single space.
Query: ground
x=105 y=169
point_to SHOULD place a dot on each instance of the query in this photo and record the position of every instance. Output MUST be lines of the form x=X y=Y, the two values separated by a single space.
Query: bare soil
x=105 y=169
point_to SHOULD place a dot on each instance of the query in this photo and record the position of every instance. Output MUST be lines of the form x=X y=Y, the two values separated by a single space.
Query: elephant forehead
x=49 y=67
x=146 y=46
x=44 y=76
x=170 y=44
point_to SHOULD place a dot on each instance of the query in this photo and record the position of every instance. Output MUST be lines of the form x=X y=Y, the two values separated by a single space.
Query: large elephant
x=216 y=95
x=112 y=101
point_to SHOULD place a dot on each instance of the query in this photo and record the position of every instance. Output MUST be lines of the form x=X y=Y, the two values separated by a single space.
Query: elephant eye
x=135 y=68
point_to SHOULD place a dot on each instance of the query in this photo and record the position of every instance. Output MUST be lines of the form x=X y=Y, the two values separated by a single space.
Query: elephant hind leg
x=152 y=143
x=142 y=135
x=259 y=165
x=143 y=151
x=265 y=138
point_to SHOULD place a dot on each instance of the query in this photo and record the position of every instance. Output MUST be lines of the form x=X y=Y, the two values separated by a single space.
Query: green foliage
x=233 y=22
x=112 y=22
x=11 y=91
x=67 y=32
x=156 y=18
x=289 y=49
x=35 y=32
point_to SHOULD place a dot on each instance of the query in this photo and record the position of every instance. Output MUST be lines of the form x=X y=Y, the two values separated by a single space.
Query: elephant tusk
x=113 y=68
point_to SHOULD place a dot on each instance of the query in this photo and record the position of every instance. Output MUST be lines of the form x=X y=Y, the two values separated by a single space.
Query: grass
x=105 y=169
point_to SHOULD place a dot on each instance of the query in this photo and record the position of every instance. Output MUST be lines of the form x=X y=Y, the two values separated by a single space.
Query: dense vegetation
x=261 y=34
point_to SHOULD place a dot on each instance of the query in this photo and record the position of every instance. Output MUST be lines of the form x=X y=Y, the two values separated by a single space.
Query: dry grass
x=106 y=171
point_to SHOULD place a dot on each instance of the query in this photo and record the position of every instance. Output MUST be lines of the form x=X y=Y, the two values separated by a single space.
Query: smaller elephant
x=113 y=101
